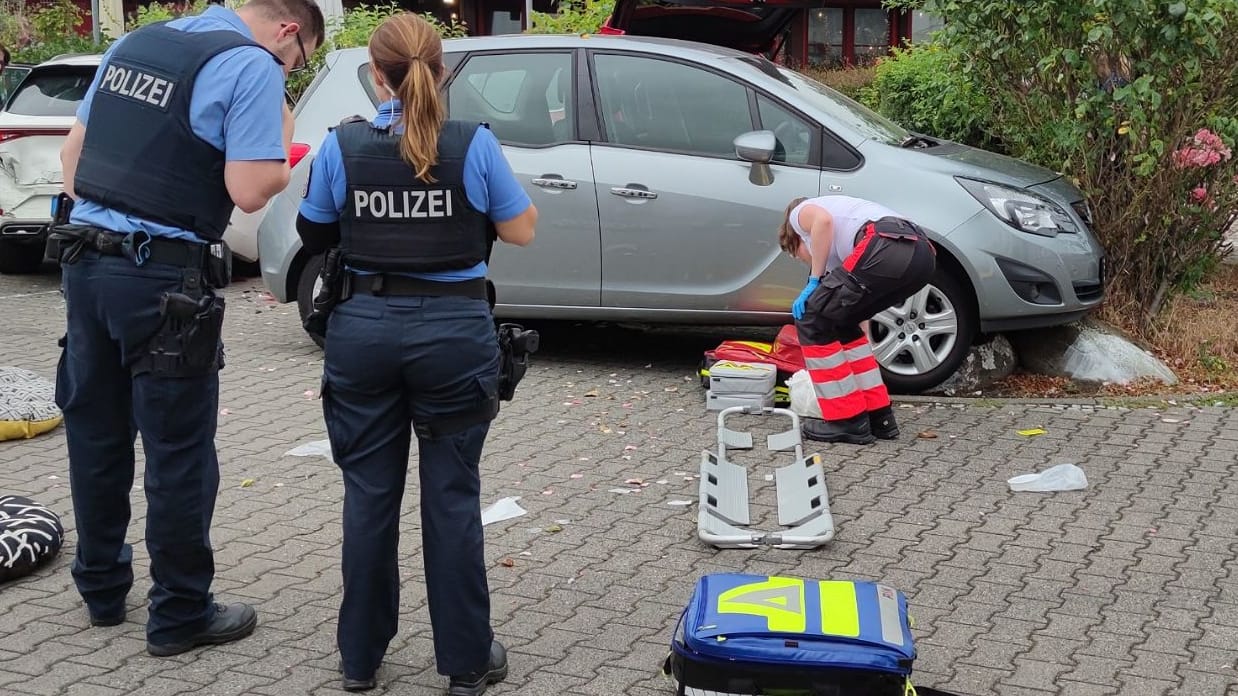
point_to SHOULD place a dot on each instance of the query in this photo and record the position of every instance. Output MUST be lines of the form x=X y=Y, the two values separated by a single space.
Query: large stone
x=985 y=365
x=1089 y=351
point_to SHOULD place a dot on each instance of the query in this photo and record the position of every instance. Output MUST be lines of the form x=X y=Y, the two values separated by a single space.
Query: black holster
x=188 y=342
x=315 y=323
x=62 y=207
x=516 y=344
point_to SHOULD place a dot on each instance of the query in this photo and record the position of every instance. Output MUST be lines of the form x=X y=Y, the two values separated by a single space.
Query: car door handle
x=629 y=192
x=554 y=182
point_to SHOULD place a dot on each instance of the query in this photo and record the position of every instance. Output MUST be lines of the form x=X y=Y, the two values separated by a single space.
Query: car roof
x=648 y=44
x=84 y=59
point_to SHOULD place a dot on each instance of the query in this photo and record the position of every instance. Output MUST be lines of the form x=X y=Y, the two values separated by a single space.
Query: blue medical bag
x=784 y=636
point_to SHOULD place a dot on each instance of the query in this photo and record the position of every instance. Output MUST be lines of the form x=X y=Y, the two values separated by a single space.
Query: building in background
x=834 y=34
x=841 y=33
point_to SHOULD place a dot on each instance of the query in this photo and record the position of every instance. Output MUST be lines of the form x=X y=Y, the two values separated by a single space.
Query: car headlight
x=1021 y=209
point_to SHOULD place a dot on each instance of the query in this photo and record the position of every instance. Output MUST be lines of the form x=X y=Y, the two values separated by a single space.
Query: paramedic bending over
x=863 y=258
x=409 y=198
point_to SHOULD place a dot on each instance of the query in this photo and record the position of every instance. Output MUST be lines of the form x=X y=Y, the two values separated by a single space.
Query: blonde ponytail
x=422 y=118
x=409 y=54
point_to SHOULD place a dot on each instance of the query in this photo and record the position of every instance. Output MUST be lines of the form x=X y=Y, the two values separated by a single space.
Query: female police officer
x=409 y=199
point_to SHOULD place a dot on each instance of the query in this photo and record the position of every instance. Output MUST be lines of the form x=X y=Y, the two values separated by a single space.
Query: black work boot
x=356 y=684
x=475 y=683
x=854 y=430
x=882 y=423
x=229 y=623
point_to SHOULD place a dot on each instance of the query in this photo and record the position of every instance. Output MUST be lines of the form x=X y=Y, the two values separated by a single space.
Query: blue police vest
x=141 y=156
x=394 y=222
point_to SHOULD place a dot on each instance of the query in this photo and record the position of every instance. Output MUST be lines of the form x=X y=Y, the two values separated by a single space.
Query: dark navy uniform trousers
x=391 y=362
x=112 y=309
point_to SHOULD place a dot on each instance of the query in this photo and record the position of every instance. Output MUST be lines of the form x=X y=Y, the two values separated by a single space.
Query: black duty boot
x=475 y=684
x=229 y=623
x=356 y=684
x=883 y=424
x=855 y=430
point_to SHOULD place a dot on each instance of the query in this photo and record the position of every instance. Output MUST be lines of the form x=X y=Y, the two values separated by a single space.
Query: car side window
x=525 y=97
x=9 y=80
x=794 y=136
x=664 y=105
x=836 y=155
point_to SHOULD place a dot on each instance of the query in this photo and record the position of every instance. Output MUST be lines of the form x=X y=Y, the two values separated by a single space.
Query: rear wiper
x=917 y=140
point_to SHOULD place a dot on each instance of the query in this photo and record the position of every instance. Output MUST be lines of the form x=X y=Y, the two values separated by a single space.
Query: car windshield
x=835 y=104
x=51 y=92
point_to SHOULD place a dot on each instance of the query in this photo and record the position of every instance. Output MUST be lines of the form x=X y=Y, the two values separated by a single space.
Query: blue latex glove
x=797 y=309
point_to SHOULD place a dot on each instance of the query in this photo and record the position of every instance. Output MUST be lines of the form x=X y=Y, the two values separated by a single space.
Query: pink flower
x=1205 y=149
x=1200 y=194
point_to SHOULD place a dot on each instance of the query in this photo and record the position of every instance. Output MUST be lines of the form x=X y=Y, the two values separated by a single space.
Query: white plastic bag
x=1063 y=477
x=501 y=510
x=803 y=397
x=317 y=448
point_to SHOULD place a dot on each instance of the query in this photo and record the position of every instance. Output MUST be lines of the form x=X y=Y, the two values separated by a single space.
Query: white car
x=33 y=124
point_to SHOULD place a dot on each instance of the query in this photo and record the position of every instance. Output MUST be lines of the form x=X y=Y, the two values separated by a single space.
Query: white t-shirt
x=849 y=215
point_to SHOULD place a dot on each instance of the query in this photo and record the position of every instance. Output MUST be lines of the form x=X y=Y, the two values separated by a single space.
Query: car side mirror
x=758 y=148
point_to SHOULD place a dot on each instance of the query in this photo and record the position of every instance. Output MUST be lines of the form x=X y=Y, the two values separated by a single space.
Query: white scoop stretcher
x=803 y=501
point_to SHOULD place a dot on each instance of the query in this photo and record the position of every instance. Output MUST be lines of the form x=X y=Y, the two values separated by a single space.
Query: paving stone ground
x=1128 y=587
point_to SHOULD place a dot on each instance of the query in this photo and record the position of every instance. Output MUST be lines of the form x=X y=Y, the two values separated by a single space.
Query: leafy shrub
x=354 y=30
x=922 y=88
x=1122 y=96
x=34 y=34
x=573 y=17
x=850 y=81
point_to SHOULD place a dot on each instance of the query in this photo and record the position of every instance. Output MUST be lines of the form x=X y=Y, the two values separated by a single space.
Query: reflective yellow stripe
x=779 y=600
x=840 y=614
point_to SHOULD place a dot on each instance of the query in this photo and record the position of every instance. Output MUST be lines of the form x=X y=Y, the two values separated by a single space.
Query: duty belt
x=387 y=284
x=138 y=247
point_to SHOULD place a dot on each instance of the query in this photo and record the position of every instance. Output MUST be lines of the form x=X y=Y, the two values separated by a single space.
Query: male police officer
x=181 y=123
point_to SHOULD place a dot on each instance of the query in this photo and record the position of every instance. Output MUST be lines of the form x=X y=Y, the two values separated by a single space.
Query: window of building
x=825 y=36
x=871 y=35
x=923 y=24
x=839 y=36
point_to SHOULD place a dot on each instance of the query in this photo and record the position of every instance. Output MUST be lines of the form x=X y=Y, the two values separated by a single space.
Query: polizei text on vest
x=405 y=204
x=137 y=85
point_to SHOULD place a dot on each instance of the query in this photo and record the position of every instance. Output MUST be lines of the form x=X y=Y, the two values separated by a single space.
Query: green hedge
x=923 y=89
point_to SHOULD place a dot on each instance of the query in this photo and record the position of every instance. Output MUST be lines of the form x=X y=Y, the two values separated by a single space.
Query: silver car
x=661 y=169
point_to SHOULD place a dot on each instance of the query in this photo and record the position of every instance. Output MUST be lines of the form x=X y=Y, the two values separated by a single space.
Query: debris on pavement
x=1063 y=477
x=317 y=448
x=502 y=509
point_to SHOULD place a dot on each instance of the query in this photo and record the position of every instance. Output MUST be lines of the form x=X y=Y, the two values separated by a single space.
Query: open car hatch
x=744 y=25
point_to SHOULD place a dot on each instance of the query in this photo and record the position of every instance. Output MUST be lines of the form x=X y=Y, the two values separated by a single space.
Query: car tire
x=21 y=258
x=945 y=298
x=306 y=291
x=245 y=269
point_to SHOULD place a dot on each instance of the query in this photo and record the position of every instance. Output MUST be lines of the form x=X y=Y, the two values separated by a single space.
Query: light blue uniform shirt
x=237 y=103
x=491 y=187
